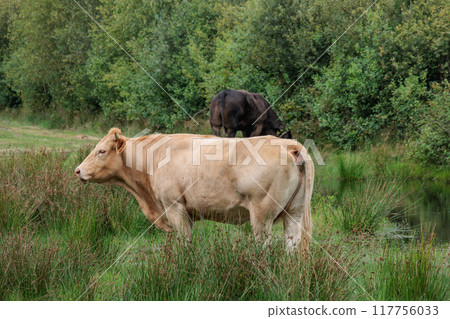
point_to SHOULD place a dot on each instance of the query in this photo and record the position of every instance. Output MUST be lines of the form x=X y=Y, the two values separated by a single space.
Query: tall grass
x=379 y=161
x=55 y=232
x=415 y=272
x=26 y=269
x=231 y=266
x=37 y=267
x=58 y=236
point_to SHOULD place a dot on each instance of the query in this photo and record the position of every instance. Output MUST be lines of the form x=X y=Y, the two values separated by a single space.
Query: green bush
x=408 y=106
x=47 y=51
x=350 y=101
x=170 y=48
x=8 y=97
x=432 y=142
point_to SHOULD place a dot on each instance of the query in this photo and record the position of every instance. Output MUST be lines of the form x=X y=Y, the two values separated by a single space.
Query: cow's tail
x=308 y=181
x=222 y=110
x=301 y=198
x=306 y=194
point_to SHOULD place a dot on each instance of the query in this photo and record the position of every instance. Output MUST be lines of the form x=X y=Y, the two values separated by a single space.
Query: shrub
x=432 y=143
x=46 y=56
x=350 y=100
x=408 y=105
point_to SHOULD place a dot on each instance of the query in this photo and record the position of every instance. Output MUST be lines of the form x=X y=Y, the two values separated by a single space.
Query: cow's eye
x=101 y=152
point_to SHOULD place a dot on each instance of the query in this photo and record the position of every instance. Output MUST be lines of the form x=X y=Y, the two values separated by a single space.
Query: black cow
x=237 y=110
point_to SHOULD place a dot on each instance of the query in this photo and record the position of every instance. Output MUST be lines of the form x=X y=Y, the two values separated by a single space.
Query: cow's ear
x=120 y=146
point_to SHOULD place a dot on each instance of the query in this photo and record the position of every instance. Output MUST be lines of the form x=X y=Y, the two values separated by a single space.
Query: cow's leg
x=262 y=216
x=152 y=214
x=216 y=130
x=256 y=130
x=297 y=227
x=292 y=231
x=246 y=133
x=179 y=220
x=231 y=132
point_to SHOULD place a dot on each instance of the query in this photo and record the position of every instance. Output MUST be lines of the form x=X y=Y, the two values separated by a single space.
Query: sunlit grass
x=17 y=135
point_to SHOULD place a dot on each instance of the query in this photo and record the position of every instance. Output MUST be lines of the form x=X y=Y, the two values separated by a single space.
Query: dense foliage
x=385 y=76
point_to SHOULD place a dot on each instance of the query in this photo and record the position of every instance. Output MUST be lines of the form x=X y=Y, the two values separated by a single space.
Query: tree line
x=386 y=77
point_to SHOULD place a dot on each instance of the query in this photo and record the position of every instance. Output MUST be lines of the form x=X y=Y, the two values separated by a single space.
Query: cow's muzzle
x=79 y=175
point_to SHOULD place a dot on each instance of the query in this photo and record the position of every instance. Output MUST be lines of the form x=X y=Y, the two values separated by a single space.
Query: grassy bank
x=382 y=161
x=20 y=135
x=58 y=236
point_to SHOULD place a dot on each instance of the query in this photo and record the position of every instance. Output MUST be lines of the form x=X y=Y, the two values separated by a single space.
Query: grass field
x=59 y=236
x=15 y=135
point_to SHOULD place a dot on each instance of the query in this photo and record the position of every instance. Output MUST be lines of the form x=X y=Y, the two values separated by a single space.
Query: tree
x=49 y=43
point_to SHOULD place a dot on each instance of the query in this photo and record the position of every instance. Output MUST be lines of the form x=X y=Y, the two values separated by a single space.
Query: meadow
x=372 y=98
x=60 y=238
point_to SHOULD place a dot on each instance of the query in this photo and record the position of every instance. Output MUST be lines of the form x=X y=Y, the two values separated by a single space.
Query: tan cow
x=181 y=178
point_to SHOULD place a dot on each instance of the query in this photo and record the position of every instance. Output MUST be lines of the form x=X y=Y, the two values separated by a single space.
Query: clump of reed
x=352 y=166
x=366 y=207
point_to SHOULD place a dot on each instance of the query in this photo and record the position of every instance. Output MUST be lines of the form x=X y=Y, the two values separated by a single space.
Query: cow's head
x=105 y=161
x=274 y=126
x=278 y=132
x=285 y=134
